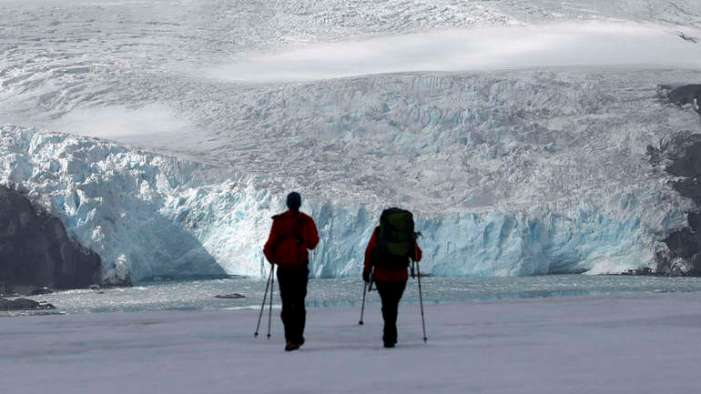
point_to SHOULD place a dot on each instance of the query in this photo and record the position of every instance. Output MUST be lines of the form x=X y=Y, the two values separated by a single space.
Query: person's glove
x=366 y=276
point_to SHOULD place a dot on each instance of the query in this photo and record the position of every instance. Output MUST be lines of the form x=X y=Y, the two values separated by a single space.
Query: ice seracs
x=149 y=216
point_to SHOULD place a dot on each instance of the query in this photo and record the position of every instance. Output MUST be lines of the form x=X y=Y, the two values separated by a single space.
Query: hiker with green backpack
x=391 y=249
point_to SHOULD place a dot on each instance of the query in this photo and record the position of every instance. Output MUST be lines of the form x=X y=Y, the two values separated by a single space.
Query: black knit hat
x=294 y=201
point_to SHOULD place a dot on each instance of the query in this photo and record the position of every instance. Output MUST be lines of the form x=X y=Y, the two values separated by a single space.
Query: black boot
x=291 y=346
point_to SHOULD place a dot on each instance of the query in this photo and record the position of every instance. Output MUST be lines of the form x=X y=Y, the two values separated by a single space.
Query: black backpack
x=396 y=239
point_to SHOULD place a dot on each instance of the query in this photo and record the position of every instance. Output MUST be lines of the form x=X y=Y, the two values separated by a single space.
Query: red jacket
x=292 y=235
x=383 y=274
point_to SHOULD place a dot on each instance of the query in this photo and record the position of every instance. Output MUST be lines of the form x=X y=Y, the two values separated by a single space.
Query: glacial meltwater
x=347 y=292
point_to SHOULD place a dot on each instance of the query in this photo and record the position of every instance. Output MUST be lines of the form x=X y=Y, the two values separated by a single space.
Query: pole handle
x=372 y=279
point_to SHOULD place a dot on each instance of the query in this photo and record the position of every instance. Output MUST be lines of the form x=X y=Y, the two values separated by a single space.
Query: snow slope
x=541 y=167
x=592 y=43
x=641 y=345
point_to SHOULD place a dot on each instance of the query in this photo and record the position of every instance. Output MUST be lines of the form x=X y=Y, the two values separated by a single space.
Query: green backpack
x=396 y=239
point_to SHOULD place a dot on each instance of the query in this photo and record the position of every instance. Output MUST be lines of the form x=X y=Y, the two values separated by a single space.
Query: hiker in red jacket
x=292 y=236
x=389 y=272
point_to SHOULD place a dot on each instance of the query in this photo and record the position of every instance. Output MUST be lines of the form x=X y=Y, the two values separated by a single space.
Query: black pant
x=390 y=294
x=293 y=290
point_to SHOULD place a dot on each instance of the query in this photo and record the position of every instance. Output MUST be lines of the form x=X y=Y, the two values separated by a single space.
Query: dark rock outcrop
x=36 y=251
x=234 y=296
x=23 y=304
x=683 y=95
x=41 y=291
x=681 y=157
x=688 y=38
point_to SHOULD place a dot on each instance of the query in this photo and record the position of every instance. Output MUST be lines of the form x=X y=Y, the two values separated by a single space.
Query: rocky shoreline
x=23 y=304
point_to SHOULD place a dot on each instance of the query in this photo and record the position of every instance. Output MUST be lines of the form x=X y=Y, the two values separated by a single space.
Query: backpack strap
x=298 y=229
x=376 y=253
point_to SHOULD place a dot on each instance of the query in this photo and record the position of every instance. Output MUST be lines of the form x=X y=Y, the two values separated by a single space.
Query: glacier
x=154 y=216
x=515 y=163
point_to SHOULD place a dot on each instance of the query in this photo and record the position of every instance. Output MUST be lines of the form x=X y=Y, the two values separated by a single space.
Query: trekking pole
x=362 y=308
x=421 y=301
x=262 y=306
x=272 y=288
x=367 y=287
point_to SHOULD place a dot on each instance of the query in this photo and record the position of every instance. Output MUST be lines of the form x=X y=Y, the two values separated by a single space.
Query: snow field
x=635 y=345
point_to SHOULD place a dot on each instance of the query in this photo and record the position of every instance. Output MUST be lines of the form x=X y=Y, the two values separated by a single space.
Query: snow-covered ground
x=636 y=345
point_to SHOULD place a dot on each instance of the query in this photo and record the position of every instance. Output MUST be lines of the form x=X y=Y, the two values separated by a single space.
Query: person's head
x=294 y=201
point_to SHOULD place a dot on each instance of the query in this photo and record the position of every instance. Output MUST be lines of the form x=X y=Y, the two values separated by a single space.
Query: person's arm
x=369 y=251
x=417 y=253
x=311 y=235
x=271 y=242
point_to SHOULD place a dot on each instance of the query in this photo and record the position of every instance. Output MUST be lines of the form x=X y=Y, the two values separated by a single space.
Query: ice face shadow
x=174 y=253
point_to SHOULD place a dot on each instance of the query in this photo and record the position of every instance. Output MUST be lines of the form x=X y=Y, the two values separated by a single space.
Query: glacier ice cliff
x=149 y=215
